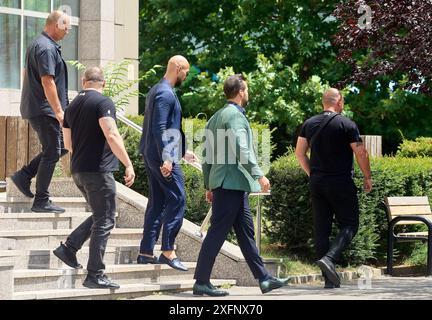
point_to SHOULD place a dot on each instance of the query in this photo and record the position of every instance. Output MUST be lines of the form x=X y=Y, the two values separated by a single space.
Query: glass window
x=70 y=52
x=32 y=28
x=38 y=5
x=10 y=3
x=10 y=51
x=73 y=4
x=13 y=49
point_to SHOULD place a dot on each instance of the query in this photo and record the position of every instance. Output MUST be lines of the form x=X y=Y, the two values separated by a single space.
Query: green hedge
x=289 y=217
x=196 y=206
x=421 y=147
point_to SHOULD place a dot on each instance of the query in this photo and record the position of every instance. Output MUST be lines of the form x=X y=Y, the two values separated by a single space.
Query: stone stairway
x=27 y=240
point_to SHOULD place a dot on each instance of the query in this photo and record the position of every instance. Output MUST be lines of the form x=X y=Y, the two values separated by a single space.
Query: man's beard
x=178 y=82
x=244 y=103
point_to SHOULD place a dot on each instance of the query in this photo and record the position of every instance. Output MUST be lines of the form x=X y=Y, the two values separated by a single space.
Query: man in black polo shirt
x=332 y=139
x=43 y=100
x=91 y=135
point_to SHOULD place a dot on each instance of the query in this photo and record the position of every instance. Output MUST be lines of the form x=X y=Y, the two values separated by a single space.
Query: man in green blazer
x=231 y=172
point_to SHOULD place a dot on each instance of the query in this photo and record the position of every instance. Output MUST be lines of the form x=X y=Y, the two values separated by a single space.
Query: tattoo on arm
x=110 y=124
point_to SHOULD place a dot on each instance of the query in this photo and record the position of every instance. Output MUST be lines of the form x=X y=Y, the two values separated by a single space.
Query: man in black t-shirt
x=91 y=135
x=43 y=100
x=332 y=139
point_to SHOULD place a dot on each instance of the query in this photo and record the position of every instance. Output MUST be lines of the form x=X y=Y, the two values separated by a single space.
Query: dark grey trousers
x=99 y=190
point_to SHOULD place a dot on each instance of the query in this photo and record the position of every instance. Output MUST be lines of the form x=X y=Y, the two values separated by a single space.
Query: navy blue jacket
x=163 y=137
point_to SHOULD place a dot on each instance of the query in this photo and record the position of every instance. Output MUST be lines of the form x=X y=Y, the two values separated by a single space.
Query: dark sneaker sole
x=202 y=294
x=24 y=192
x=331 y=275
x=47 y=211
x=61 y=257
x=95 y=286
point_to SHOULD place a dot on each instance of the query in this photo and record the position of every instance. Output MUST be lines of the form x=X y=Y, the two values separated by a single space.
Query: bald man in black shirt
x=333 y=139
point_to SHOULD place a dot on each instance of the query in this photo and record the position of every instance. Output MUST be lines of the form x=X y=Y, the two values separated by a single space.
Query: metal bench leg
x=429 y=257
x=390 y=253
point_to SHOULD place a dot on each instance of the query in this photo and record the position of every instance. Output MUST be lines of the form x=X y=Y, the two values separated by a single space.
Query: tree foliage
x=399 y=40
x=289 y=51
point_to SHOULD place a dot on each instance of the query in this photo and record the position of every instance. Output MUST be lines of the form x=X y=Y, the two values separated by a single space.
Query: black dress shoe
x=174 y=263
x=147 y=260
x=22 y=183
x=67 y=256
x=328 y=268
x=272 y=283
x=49 y=207
x=209 y=290
x=99 y=282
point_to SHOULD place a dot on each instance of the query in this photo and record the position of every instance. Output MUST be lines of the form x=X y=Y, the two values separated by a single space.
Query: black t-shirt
x=91 y=152
x=331 y=153
x=43 y=58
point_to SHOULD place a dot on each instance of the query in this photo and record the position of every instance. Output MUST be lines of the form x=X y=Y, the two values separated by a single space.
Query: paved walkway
x=385 y=288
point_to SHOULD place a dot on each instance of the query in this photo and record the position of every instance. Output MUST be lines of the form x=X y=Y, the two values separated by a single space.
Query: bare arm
x=115 y=141
x=50 y=90
x=67 y=137
x=362 y=158
x=301 y=154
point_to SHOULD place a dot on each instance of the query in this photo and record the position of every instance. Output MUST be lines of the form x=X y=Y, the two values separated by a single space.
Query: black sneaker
x=330 y=285
x=99 y=282
x=22 y=183
x=49 y=207
x=67 y=256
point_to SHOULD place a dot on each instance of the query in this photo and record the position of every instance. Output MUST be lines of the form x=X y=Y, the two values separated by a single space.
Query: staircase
x=27 y=240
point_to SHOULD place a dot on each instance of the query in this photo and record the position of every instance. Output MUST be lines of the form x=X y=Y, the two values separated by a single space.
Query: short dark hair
x=233 y=85
x=94 y=74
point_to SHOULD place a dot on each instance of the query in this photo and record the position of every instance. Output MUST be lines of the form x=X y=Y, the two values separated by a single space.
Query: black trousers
x=99 y=190
x=51 y=138
x=230 y=209
x=331 y=201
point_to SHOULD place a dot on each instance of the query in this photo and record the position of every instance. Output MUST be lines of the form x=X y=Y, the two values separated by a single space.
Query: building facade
x=103 y=31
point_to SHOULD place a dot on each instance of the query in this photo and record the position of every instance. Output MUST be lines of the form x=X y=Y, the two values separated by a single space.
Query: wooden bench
x=408 y=211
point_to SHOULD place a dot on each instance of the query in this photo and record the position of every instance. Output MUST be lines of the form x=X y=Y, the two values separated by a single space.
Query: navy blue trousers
x=230 y=209
x=165 y=208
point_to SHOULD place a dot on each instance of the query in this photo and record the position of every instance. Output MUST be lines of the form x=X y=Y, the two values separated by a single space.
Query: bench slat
x=410 y=210
x=407 y=201
x=412 y=222
x=413 y=234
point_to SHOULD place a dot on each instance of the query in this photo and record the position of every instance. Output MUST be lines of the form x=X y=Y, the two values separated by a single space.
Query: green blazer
x=228 y=158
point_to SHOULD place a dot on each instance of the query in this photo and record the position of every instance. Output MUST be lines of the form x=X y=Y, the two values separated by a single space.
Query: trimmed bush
x=196 y=205
x=421 y=147
x=289 y=214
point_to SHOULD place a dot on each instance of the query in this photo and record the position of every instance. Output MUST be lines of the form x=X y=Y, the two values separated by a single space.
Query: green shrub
x=196 y=205
x=289 y=216
x=421 y=147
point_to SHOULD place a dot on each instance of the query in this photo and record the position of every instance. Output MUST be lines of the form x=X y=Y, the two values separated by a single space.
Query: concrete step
x=59 y=187
x=125 y=291
x=40 y=239
x=45 y=259
x=21 y=205
x=31 y=280
x=40 y=221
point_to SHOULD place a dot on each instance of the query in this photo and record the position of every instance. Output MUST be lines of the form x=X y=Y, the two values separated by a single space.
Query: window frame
x=75 y=21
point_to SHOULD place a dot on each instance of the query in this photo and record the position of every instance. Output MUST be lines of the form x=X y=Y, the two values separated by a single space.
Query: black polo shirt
x=43 y=58
x=331 y=154
x=91 y=151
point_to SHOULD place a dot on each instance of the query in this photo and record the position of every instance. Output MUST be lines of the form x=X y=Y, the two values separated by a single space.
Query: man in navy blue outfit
x=162 y=147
